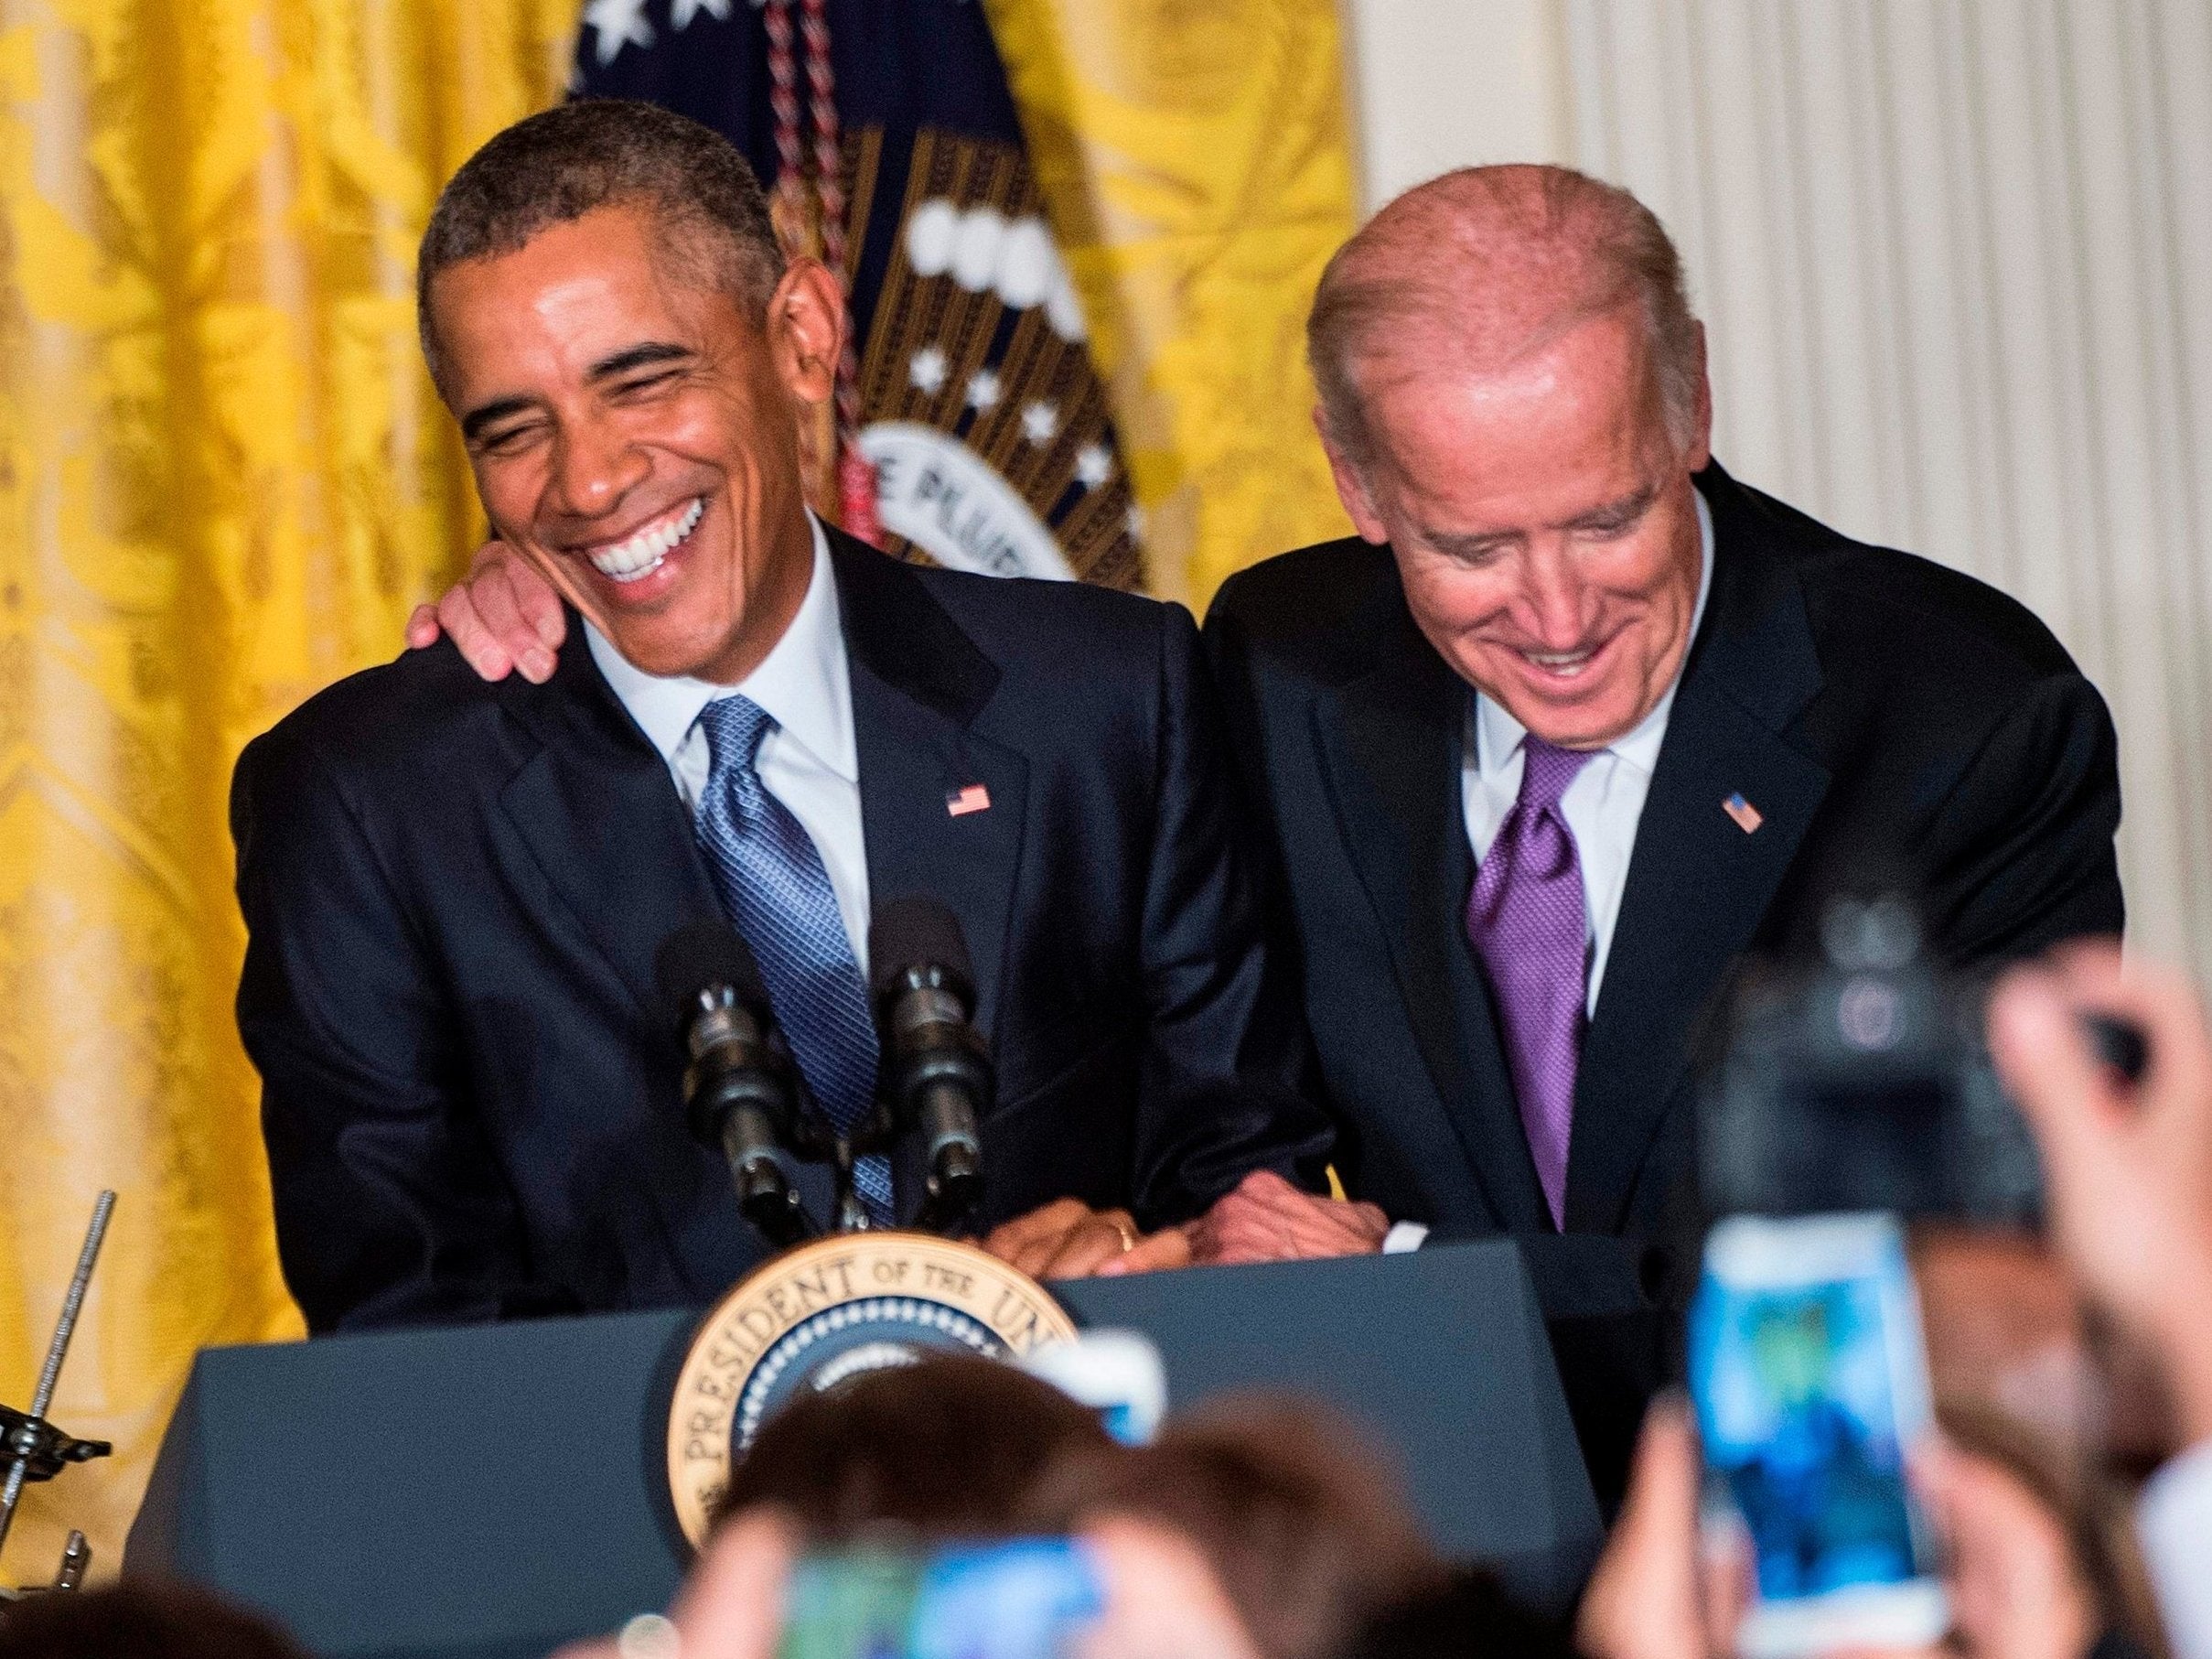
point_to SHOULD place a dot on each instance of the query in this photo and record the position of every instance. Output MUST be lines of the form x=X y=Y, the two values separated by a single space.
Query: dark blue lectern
x=489 y=1492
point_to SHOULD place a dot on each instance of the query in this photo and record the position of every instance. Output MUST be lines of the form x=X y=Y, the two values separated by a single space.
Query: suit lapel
x=602 y=818
x=918 y=682
x=1697 y=882
x=1389 y=745
x=600 y=814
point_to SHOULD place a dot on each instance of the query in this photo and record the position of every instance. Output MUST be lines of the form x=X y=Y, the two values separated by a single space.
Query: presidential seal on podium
x=826 y=1311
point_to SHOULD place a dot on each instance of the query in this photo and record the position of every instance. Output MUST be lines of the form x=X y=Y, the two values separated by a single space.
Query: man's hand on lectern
x=1265 y=1219
x=503 y=616
x=1066 y=1239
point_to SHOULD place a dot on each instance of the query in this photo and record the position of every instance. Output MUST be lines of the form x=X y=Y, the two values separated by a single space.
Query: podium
x=491 y=1491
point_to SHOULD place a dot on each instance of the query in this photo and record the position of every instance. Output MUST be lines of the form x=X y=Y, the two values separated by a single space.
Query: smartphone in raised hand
x=1810 y=1382
x=1026 y=1598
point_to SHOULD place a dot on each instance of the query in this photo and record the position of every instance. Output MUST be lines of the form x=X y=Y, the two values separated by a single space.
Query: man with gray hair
x=1578 y=721
x=456 y=893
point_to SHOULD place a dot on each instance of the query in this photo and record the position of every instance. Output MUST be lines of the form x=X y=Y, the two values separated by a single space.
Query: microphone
x=936 y=1071
x=740 y=1089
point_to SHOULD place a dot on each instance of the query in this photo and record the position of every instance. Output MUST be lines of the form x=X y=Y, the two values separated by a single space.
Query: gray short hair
x=555 y=167
x=1490 y=241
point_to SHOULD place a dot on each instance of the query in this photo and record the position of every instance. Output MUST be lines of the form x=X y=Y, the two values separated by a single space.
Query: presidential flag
x=973 y=429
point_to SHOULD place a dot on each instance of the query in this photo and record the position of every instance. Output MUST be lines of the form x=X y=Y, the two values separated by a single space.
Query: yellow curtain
x=223 y=481
x=1195 y=160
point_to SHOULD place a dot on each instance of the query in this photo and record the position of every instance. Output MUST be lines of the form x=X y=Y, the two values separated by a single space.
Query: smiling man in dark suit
x=455 y=890
x=1578 y=721
x=1577 y=724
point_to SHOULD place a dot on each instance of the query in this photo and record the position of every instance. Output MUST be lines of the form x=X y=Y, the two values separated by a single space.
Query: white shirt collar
x=1499 y=734
x=801 y=683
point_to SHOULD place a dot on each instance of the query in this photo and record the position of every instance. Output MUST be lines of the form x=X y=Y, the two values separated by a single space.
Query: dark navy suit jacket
x=1866 y=702
x=454 y=892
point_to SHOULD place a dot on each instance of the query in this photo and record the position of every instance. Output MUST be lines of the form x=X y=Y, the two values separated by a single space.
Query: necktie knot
x=1546 y=770
x=734 y=727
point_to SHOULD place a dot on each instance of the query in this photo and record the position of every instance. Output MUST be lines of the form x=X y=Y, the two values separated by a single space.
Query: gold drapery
x=1194 y=157
x=223 y=481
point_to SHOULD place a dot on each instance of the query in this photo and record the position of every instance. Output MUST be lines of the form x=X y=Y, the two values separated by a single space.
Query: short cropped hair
x=147 y=1621
x=1498 y=252
x=950 y=1447
x=1304 y=1522
x=555 y=167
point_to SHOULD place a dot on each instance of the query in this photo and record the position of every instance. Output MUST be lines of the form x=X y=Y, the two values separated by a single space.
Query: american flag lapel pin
x=1747 y=817
x=973 y=797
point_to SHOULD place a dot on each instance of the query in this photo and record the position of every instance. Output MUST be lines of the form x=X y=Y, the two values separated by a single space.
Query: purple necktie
x=1526 y=919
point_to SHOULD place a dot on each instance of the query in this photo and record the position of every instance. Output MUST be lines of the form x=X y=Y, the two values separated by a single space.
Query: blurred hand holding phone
x=1029 y=1598
x=1126 y=1590
x=1810 y=1383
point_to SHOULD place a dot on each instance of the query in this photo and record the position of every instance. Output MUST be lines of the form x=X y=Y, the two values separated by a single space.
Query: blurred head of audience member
x=1162 y=1598
x=2085 y=1551
x=2021 y=1380
x=1258 y=1529
x=2006 y=1334
x=137 y=1621
x=1304 y=1526
x=950 y=1447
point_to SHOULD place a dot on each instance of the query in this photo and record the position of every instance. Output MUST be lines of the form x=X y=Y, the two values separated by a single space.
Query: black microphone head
x=917 y=931
x=700 y=954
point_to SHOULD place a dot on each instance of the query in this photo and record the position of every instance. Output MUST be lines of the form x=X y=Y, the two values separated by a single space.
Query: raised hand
x=2128 y=1166
x=1661 y=1590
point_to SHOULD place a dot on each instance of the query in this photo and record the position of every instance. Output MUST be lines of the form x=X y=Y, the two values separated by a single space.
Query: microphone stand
x=849 y=1214
x=37 y=1449
x=949 y=1206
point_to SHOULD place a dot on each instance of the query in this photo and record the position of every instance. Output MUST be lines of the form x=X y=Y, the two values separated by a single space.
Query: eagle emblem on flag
x=971 y=428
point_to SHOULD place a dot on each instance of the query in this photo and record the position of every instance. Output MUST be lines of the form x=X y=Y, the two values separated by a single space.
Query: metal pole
x=56 y=1351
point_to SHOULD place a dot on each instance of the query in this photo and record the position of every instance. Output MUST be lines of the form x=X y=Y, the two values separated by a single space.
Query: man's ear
x=1351 y=487
x=806 y=330
x=1700 y=434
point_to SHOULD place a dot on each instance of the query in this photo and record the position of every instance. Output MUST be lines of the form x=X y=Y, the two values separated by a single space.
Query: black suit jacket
x=1864 y=701
x=454 y=892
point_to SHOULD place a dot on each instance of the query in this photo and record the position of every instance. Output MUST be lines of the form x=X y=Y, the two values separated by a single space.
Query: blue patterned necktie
x=774 y=887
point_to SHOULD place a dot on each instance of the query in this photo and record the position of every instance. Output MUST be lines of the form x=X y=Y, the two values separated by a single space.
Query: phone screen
x=1812 y=1387
x=1023 y=1599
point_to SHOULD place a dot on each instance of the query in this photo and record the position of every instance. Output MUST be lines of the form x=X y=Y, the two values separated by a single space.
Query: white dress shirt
x=810 y=760
x=2173 y=1521
x=1603 y=806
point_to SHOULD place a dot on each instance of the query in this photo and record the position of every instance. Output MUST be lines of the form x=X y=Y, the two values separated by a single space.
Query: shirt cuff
x=1407 y=1235
x=2174 y=1520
